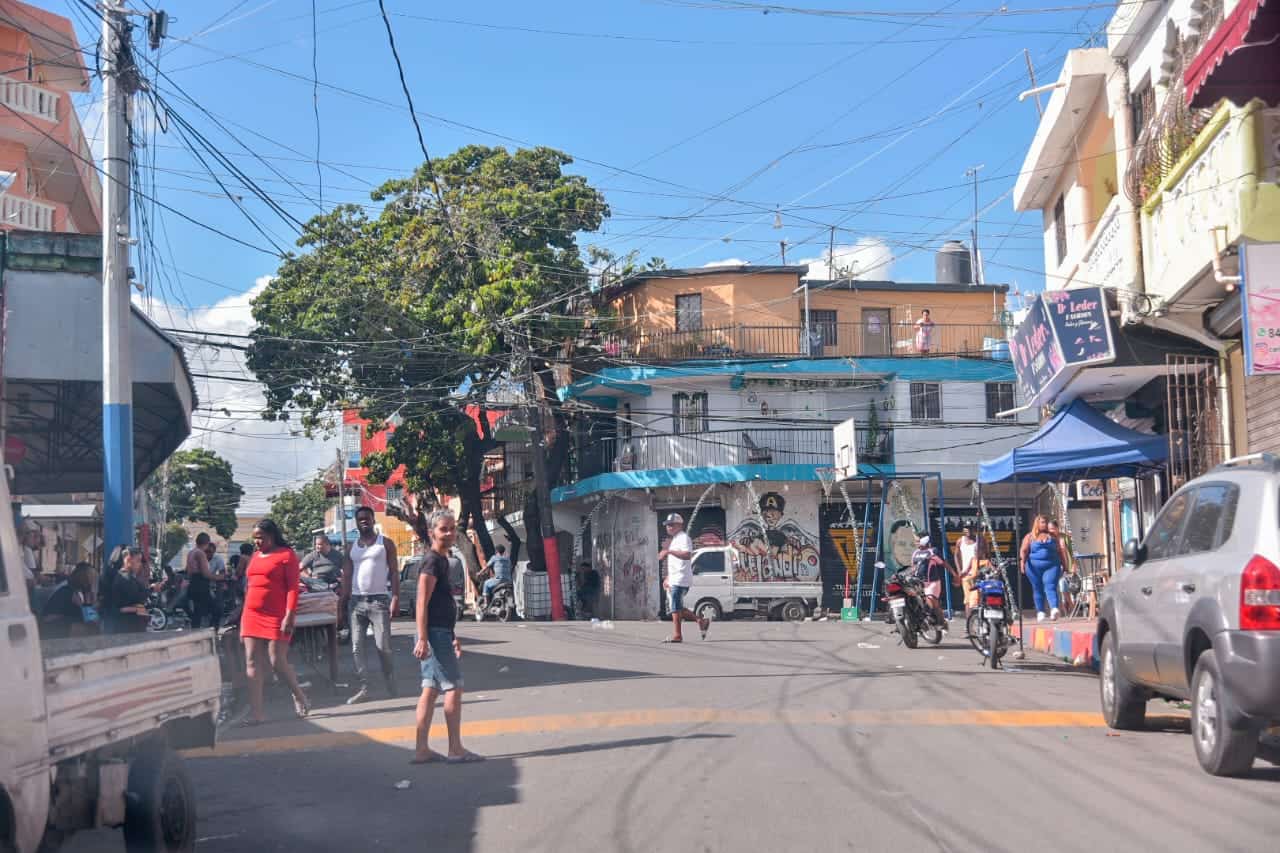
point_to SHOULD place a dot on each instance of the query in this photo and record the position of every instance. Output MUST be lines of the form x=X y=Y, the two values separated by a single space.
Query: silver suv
x=1195 y=614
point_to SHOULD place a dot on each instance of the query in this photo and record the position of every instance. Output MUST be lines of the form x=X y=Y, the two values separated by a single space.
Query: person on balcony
x=924 y=333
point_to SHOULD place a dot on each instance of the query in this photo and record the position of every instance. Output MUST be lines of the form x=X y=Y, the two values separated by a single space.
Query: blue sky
x=866 y=122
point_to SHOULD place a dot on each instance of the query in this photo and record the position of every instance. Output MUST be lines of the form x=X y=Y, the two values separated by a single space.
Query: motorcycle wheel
x=158 y=620
x=907 y=633
x=993 y=643
x=505 y=610
x=973 y=627
x=932 y=633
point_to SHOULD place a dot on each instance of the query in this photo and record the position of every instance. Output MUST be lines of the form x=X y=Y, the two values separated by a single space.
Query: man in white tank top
x=371 y=584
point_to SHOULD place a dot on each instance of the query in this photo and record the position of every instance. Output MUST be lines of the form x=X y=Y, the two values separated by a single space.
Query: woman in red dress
x=266 y=622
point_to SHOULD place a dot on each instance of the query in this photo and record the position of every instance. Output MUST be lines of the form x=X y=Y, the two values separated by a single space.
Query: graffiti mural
x=780 y=548
x=634 y=562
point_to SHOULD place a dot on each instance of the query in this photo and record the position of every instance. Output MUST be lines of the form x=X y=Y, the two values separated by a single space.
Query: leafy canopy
x=200 y=488
x=300 y=511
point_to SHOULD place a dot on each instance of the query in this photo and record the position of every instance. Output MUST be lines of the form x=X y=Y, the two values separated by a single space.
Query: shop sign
x=1260 y=271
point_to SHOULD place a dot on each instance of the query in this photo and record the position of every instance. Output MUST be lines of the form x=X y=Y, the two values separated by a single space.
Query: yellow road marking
x=548 y=723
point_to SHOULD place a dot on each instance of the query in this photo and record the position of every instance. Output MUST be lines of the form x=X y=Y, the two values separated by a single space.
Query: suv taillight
x=1260 y=596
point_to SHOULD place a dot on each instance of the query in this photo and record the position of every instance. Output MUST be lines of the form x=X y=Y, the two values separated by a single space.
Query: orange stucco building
x=48 y=181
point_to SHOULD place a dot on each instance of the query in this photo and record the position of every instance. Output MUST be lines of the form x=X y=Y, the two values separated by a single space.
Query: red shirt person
x=266 y=622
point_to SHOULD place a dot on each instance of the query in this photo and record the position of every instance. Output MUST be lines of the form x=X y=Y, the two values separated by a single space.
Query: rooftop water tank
x=952 y=264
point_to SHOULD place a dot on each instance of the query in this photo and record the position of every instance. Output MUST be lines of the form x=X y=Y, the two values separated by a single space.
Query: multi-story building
x=48 y=180
x=714 y=402
x=356 y=444
x=1150 y=187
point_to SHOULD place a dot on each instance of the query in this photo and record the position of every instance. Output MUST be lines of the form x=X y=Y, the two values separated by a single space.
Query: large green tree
x=199 y=486
x=469 y=277
x=300 y=511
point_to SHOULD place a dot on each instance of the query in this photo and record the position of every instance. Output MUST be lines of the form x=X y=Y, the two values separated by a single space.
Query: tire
x=709 y=608
x=793 y=610
x=1223 y=750
x=160 y=804
x=157 y=620
x=1124 y=704
x=506 y=611
x=909 y=638
x=993 y=643
x=971 y=623
x=932 y=635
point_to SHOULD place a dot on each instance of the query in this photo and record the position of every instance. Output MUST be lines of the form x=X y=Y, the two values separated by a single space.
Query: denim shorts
x=675 y=597
x=441 y=671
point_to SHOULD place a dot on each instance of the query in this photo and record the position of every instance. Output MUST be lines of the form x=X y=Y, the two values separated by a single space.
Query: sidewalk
x=1073 y=640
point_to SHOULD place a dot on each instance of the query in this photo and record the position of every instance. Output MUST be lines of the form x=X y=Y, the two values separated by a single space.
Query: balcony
x=26 y=214
x=830 y=340
x=716 y=448
x=29 y=98
x=1103 y=261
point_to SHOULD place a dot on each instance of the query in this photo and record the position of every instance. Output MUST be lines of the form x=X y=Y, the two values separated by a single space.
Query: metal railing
x=713 y=448
x=29 y=98
x=826 y=340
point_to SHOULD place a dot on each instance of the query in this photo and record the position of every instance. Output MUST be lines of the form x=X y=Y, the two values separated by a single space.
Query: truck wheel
x=160 y=804
x=1221 y=749
x=709 y=608
x=794 y=610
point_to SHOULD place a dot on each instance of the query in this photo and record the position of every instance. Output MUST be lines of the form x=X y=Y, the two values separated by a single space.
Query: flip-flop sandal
x=466 y=758
x=672 y=640
x=703 y=625
x=432 y=758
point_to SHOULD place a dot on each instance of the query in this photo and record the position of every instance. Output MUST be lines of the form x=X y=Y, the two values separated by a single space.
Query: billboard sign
x=1064 y=330
x=1260 y=272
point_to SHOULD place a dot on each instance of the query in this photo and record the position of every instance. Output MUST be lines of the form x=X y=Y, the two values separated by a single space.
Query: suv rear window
x=1212 y=517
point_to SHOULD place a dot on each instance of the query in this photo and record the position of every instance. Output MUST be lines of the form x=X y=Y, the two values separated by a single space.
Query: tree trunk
x=512 y=537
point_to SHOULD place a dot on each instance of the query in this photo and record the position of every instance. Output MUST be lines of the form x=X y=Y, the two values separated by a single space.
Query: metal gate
x=1195 y=421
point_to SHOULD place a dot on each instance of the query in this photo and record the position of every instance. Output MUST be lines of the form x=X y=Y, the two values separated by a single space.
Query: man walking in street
x=200 y=583
x=324 y=563
x=437 y=646
x=679 y=557
x=371 y=584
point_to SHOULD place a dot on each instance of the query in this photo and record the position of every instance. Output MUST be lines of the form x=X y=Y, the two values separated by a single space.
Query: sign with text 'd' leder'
x=1064 y=330
x=1036 y=357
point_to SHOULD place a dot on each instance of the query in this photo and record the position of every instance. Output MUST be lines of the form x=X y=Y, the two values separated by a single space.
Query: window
x=1142 y=107
x=1212 y=518
x=926 y=401
x=625 y=424
x=689 y=312
x=31 y=67
x=689 y=413
x=1166 y=534
x=395 y=494
x=1060 y=227
x=710 y=563
x=351 y=444
x=1000 y=399
x=822 y=326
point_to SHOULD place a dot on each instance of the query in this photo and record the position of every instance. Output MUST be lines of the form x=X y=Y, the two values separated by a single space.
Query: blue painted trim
x=117 y=485
x=621 y=481
x=601 y=402
x=637 y=379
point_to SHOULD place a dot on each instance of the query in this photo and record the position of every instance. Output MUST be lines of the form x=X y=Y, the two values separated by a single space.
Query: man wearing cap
x=679 y=557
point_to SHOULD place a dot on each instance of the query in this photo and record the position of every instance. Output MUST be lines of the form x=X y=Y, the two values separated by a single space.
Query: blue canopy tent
x=1078 y=443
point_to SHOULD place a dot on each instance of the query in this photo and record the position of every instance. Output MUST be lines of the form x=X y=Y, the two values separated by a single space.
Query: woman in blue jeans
x=1043 y=556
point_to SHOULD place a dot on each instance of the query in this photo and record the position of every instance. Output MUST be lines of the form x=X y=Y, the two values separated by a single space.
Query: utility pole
x=118 y=79
x=342 y=501
x=782 y=245
x=542 y=488
x=976 y=273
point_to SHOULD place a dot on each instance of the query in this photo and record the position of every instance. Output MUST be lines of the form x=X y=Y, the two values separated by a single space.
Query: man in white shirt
x=679 y=557
x=371 y=583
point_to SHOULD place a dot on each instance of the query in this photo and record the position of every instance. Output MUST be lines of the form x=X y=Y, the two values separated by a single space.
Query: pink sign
x=1261 y=272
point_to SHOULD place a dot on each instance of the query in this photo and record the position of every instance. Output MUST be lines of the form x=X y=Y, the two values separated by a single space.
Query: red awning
x=1241 y=61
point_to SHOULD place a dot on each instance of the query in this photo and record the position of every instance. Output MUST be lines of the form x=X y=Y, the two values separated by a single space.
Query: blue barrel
x=996 y=348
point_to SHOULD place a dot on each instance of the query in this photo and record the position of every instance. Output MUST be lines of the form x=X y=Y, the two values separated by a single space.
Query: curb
x=1077 y=647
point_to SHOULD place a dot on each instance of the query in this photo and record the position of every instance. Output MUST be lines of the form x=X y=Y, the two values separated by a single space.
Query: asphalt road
x=767 y=736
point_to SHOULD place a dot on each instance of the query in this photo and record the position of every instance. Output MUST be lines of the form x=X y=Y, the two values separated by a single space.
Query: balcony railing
x=29 y=98
x=19 y=212
x=505 y=498
x=826 y=340
x=712 y=448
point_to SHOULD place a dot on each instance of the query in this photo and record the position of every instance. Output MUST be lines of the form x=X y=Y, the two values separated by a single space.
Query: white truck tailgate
x=101 y=690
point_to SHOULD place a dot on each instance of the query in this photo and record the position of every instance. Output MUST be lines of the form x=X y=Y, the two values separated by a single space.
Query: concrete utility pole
x=550 y=548
x=118 y=76
x=342 y=501
x=975 y=274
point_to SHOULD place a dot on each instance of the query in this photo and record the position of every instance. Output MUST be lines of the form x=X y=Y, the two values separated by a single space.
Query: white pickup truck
x=721 y=588
x=88 y=725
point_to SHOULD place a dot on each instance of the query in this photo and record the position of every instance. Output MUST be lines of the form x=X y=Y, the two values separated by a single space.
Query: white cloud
x=728 y=262
x=264 y=455
x=870 y=258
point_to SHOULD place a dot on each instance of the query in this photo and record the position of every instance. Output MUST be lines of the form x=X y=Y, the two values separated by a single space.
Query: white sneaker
x=1053 y=615
x=1040 y=616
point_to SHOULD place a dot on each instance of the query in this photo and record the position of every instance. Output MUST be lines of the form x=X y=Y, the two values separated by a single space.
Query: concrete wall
x=626 y=556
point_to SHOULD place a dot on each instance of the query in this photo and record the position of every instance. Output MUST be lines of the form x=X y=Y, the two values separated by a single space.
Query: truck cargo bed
x=101 y=690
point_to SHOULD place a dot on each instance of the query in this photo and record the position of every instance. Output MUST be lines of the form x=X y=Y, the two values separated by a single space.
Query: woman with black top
x=129 y=595
x=69 y=612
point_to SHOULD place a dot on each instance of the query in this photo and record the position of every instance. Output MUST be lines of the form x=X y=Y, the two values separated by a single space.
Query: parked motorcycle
x=500 y=603
x=165 y=614
x=989 y=622
x=908 y=609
